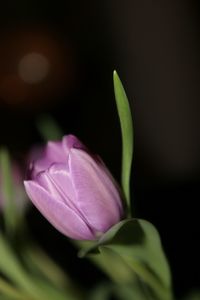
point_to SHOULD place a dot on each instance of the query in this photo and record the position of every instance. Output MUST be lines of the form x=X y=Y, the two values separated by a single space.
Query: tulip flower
x=74 y=190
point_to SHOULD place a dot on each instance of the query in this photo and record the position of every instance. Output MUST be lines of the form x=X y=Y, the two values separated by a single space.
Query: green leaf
x=193 y=296
x=9 y=209
x=11 y=292
x=125 y=117
x=48 y=128
x=101 y=292
x=12 y=269
x=39 y=262
x=106 y=290
x=137 y=244
x=41 y=265
x=35 y=288
x=135 y=291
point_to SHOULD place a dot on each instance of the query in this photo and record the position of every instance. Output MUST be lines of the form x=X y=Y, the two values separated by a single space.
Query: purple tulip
x=74 y=190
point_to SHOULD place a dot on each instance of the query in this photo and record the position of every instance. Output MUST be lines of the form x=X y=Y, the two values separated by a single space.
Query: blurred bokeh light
x=36 y=64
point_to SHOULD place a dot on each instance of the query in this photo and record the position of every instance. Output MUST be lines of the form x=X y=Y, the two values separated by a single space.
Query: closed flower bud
x=74 y=190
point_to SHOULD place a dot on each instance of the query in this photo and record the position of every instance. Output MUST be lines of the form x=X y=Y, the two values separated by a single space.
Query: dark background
x=154 y=45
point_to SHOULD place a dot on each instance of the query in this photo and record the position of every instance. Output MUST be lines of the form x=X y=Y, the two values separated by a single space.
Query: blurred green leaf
x=108 y=290
x=12 y=269
x=134 y=291
x=49 y=292
x=101 y=292
x=193 y=296
x=39 y=262
x=48 y=128
x=11 y=292
x=36 y=288
x=9 y=207
x=125 y=117
x=137 y=244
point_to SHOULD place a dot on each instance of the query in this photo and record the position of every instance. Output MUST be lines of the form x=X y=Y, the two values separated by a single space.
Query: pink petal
x=97 y=197
x=52 y=152
x=57 y=213
x=55 y=152
x=71 y=141
x=57 y=182
x=109 y=181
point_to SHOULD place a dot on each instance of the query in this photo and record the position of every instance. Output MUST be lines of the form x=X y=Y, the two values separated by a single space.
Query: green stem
x=161 y=292
x=13 y=293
